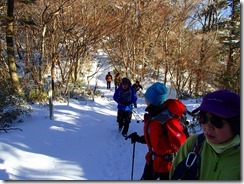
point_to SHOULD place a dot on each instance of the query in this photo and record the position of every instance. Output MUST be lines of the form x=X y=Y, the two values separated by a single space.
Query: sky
x=82 y=142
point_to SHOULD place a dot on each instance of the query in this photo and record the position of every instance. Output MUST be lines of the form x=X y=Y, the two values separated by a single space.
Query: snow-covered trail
x=81 y=143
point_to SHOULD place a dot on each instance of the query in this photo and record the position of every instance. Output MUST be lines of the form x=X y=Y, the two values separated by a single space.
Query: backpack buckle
x=191 y=157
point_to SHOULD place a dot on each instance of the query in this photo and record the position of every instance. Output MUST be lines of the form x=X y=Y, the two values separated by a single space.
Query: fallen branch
x=5 y=129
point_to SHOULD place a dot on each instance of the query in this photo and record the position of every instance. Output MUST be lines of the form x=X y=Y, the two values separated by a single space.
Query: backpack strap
x=191 y=157
x=149 y=145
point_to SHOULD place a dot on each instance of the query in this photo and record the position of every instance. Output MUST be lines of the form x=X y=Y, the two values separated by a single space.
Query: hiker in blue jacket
x=125 y=96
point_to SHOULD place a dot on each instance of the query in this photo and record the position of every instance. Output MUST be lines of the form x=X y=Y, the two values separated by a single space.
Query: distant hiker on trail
x=125 y=96
x=137 y=86
x=217 y=149
x=117 y=80
x=108 y=78
x=163 y=132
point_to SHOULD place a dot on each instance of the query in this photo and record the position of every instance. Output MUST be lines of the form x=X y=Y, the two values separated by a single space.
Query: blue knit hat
x=156 y=94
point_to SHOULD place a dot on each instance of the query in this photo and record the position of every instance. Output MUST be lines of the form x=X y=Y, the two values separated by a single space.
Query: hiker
x=108 y=78
x=163 y=132
x=117 y=80
x=125 y=96
x=137 y=86
x=218 y=157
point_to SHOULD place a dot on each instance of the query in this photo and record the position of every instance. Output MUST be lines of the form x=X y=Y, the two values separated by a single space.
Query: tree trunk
x=10 y=48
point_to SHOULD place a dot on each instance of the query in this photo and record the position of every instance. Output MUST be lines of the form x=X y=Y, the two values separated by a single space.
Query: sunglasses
x=216 y=121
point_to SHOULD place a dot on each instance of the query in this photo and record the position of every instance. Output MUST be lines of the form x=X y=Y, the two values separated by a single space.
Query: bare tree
x=10 y=47
x=144 y=39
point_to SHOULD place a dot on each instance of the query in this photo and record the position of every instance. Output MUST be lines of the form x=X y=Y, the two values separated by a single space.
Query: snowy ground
x=81 y=143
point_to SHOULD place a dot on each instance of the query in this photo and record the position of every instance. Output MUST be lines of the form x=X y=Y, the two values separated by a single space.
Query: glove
x=135 y=105
x=134 y=137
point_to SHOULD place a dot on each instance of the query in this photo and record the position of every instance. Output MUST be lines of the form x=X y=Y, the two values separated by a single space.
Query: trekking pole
x=137 y=120
x=133 y=157
x=137 y=117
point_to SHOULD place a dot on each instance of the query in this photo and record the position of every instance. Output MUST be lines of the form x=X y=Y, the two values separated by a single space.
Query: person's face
x=125 y=85
x=216 y=130
x=147 y=102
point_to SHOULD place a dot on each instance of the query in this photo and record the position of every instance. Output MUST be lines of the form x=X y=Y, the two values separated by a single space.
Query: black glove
x=135 y=105
x=134 y=137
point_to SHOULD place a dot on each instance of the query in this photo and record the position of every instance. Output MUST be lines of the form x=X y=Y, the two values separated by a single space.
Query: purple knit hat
x=222 y=103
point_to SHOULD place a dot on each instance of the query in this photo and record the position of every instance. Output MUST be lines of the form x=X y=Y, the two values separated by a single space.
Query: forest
x=193 y=45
